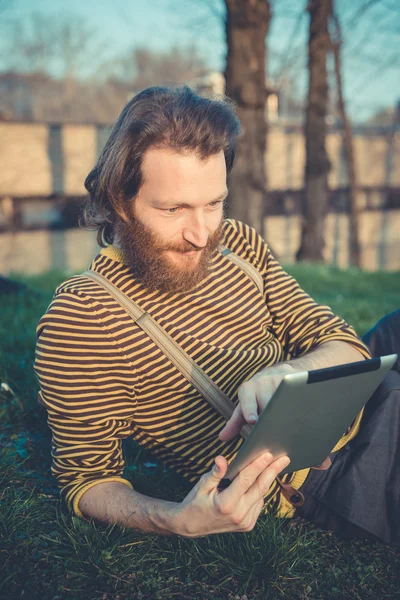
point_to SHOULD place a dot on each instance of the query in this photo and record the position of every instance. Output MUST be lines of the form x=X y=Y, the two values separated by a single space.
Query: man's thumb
x=218 y=471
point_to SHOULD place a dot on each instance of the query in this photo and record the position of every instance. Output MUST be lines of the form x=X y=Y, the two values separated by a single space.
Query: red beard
x=144 y=253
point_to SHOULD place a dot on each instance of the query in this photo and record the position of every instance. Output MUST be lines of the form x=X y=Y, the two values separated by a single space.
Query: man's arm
x=204 y=511
x=310 y=335
x=297 y=321
x=88 y=410
x=113 y=502
x=329 y=354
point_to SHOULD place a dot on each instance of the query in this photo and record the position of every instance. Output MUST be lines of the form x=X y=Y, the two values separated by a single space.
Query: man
x=157 y=200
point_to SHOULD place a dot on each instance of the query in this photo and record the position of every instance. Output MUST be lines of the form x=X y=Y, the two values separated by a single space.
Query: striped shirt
x=103 y=380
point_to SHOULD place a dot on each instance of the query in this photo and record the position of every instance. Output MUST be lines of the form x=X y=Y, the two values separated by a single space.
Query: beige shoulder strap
x=247 y=267
x=186 y=365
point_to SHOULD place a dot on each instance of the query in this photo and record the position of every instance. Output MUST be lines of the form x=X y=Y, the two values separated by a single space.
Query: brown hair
x=160 y=117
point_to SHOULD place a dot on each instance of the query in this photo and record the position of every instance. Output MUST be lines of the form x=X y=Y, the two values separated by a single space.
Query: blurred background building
x=60 y=93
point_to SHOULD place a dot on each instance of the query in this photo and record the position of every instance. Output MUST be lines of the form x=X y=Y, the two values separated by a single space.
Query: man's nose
x=195 y=230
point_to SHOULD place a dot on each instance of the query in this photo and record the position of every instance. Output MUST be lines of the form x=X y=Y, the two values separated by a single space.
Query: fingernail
x=253 y=418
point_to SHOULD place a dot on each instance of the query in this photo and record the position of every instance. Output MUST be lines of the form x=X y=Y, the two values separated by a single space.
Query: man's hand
x=254 y=396
x=205 y=510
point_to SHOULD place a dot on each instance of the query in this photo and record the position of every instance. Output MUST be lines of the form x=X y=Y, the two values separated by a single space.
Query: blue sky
x=370 y=57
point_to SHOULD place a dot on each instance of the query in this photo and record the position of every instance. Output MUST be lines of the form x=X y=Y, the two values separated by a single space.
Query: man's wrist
x=283 y=367
x=116 y=503
x=164 y=517
x=327 y=354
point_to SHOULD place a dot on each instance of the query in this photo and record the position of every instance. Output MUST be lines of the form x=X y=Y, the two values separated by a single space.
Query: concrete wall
x=39 y=160
x=34 y=252
x=377 y=159
x=25 y=167
x=379 y=238
x=73 y=249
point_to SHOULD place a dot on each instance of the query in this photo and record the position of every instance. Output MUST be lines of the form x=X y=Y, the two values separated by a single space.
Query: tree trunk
x=317 y=163
x=247 y=26
x=355 y=257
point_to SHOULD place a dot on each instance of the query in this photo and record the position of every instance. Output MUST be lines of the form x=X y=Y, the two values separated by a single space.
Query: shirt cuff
x=79 y=494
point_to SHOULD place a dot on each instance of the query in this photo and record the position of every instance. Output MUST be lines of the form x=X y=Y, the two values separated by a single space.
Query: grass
x=46 y=553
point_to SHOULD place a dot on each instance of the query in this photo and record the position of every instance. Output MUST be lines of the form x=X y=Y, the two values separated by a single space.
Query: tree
x=247 y=25
x=50 y=57
x=56 y=71
x=49 y=45
x=143 y=68
x=355 y=256
x=317 y=163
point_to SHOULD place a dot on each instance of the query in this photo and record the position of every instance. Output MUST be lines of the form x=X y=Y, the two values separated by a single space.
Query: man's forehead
x=156 y=160
x=169 y=176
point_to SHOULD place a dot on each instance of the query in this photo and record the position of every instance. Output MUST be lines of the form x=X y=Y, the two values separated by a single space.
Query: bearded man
x=156 y=197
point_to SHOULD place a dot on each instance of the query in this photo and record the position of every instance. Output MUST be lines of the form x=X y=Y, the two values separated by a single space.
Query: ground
x=45 y=553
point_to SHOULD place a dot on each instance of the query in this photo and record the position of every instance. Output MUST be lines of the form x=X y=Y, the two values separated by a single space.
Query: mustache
x=134 y=226
x=186 y=248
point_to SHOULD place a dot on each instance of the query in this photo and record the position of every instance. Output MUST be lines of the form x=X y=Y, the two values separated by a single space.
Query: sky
x=371 y=33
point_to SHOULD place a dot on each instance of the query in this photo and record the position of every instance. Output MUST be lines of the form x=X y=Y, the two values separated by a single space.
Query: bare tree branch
x=287 y=53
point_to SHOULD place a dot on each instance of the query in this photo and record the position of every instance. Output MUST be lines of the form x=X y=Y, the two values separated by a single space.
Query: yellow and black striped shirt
x=102 y=379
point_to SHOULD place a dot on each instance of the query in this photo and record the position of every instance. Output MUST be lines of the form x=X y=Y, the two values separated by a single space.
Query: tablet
x=309 y=412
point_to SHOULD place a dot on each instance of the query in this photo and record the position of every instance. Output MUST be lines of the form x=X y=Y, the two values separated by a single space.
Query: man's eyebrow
x=169 y=203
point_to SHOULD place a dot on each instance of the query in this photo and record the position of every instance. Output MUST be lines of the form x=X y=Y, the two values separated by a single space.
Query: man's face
x=175 y=223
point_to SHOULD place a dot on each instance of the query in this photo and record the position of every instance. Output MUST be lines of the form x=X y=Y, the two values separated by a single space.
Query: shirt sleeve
x=87 y=389
x=299 y=323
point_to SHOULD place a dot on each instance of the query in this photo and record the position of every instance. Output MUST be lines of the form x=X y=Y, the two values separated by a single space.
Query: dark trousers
x=359 y=495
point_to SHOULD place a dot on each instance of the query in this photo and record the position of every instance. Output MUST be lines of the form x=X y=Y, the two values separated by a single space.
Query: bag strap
x=247 y=267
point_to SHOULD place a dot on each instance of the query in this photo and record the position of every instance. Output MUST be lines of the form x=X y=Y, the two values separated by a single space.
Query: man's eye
x=172 y=211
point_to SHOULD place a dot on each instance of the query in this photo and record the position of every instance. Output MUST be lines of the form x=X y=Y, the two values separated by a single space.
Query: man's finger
x=248 y=402
x=211 y=480
x=261 y=486
x=247 y=476
x=233 y=426
x=264 y=390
